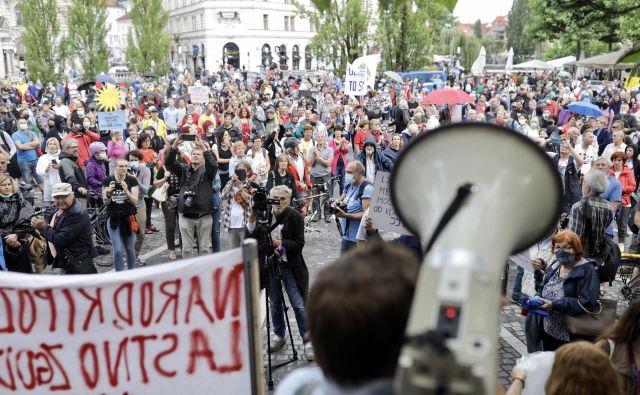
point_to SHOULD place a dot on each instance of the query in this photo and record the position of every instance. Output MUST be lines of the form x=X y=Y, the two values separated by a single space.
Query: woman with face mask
x=96 y=172
x=570 y=283
x=47 y=168
x=15 y=216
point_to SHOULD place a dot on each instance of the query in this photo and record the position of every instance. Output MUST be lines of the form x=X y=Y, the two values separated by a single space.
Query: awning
x=534 y=64
x=604 y=61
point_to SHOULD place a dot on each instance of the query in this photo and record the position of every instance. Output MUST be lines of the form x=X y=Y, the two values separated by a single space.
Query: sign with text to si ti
x=381 y=210
x=199 y=94
x=179 y=328
x=354 y=82
x=112 y=120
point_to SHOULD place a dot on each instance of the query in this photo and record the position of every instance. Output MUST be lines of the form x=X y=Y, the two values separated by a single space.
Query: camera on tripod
x=262 y=205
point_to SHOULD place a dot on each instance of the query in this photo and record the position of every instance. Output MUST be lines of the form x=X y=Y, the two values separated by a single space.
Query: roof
x=498 y=24
x=605 y=61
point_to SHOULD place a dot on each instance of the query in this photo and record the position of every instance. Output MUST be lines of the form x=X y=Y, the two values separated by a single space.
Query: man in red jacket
x=81 y=132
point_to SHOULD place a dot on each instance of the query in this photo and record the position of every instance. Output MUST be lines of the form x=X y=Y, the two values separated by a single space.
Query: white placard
x=381 y=209
x=355 y=81
x=523 y=259
x=178 y=328
x=199 y=94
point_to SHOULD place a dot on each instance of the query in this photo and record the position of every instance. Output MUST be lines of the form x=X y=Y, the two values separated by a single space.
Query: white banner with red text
x=186 y=327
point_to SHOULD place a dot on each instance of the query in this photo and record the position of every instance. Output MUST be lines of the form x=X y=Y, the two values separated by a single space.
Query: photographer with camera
x=237 y=197
x=195 y=205
x=286 y=263
x=142 y=173
x=351 y=206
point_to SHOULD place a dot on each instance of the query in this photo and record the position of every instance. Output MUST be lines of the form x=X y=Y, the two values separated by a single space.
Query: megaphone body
x=512 y=198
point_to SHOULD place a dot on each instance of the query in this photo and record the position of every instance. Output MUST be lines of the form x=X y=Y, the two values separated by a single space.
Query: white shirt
x=612 y=149
x=370 y=169
x=61 y=110
x=587 y=155
x=432 y=123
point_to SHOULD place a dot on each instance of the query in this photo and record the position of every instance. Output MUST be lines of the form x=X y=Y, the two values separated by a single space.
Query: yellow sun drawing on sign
x=108 y=99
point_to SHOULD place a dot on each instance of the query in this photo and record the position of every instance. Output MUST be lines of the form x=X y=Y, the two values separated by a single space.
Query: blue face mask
x=565 y=258
x=348 y=179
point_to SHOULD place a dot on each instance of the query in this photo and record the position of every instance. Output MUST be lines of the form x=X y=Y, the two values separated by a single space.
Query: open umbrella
x=85 y=86
x=447 y=96
x=105 y=78
x=564 y=74
x=584 y=108
x=146 y=93
x=394 y=76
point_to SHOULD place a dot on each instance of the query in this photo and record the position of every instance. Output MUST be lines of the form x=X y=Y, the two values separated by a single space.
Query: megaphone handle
x=464 y=191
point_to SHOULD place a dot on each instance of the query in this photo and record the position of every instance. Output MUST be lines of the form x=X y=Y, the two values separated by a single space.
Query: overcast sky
x=468 y=11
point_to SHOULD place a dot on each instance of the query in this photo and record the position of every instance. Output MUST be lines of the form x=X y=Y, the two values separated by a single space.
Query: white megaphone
x=473 y=194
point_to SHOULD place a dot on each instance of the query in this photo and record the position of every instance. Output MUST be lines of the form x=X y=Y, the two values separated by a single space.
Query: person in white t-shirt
x=618 y=144
x=60 y=109
x=587 y=152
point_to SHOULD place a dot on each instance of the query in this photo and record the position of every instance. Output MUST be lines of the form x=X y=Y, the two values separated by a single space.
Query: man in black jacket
x=195 y=201
x=287 y=236
x=69 y=233
x=71 y=173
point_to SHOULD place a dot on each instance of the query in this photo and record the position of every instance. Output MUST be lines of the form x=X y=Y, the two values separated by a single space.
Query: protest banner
x=369 y=64
x=112 y=120
x=199 y=94
x=354 y=82
x=381 y=210
x=187 y=327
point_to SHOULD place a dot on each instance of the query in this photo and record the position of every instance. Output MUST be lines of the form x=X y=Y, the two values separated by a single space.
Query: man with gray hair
x=350 y=207
x=591 y=215
x=71 y=173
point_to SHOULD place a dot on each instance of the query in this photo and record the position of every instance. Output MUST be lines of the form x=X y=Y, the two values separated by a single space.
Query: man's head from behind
x=358 y=309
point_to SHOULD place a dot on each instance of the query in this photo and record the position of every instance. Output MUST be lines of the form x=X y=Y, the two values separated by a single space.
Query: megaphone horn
x=474 y=194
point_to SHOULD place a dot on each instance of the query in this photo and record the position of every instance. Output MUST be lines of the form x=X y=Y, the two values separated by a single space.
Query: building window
x=193 y=23
x=266 y=56
x=307 y=58
x=312 y=27
x=18 y=16
x=265 y=21
x=295 y=55
x=293 y=23
x=202 y=21
x=286 y=23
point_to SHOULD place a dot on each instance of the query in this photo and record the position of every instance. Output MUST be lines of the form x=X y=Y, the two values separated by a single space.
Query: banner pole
x=254 y=333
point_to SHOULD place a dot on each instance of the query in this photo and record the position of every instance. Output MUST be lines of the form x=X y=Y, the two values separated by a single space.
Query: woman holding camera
x=120 y=195
x=15 y=224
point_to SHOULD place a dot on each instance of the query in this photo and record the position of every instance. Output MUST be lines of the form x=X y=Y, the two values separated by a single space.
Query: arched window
x=231 y=55
x=307 y=58
x=295 y=55
x=266 y=55
x=282 y=56
x=18 y=16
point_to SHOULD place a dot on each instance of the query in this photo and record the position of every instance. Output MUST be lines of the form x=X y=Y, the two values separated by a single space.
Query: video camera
x=262 y=205
x=333 y=206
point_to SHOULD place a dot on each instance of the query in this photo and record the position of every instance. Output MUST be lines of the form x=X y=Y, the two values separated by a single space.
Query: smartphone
x=241 y=174
x=55 y=162
x=188 y=137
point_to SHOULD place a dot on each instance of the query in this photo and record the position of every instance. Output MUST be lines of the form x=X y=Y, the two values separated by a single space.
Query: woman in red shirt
x=628 y=181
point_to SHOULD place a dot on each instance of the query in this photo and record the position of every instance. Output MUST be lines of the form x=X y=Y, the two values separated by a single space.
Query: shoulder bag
x=160 y=194
x=78 y=265
x=593 y=323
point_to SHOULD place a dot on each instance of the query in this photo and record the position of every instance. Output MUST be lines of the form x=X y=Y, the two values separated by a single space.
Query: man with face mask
x=287 y=236
x=81 y=132
x=354 y=201
x=71 y=173
x=7 y=119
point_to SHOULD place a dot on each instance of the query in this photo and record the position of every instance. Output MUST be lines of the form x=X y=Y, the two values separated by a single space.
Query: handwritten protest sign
x=112 y=120
x=199 y=94
x=355 y=79
x=181 y=328
x=381 y=209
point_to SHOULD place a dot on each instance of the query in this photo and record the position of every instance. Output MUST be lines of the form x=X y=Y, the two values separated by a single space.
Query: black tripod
x=269 y=265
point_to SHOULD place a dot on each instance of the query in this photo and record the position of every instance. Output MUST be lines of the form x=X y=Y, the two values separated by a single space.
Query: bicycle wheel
x=629 y=281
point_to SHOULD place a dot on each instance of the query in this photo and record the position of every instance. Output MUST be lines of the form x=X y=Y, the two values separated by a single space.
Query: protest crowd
x=201 y=158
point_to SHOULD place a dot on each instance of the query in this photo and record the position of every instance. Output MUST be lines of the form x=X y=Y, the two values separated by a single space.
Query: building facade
x=245 y=34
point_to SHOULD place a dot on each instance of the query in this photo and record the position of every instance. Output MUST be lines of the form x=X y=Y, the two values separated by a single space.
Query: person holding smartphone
x=47 y=168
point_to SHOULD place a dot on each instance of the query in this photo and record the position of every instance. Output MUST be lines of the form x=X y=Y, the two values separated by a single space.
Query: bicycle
x=629 y=277
x=323 y=189
x=98 y=222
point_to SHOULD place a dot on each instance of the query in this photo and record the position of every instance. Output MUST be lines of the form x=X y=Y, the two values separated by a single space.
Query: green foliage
x=561 y=49
x=407 y=38
x=517 y=20
x=493 y=46
x=343 y=31
x=451 y=39
x=477 y=28
x=46 y=51
x=87 y=36
x=631 y=56
x=148 y=43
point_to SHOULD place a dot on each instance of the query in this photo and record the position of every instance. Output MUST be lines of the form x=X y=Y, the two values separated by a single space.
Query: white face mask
x=80 y=113
x=24 y=126
x=86 y=125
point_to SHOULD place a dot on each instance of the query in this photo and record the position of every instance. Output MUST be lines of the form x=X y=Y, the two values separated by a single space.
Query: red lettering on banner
x=11 y=384
x=200 y=349
x=28 y=354
x=128 y=318
x=146 y=303
x=22 y=294
x=96 y=303
x=91 y=376
x=172 y=297
x=195 y=297
x=141 y=340
x=48 y=349
x=112 y=371
x=47 y=294
x=72 y=310
x=236 y=357
x=8 y=308
x=41 y=370
x=170 y=350
x=231 y=290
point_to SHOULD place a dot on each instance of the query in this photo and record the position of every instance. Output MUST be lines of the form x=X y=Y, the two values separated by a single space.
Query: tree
x=451 y=39
x=87 y=35
x=517 y=20
x=477 y=29
x=343 y=30
x=148 y=42
x=46 y=51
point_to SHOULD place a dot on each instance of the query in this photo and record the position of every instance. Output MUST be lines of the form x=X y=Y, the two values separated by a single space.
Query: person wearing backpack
x=355 y=200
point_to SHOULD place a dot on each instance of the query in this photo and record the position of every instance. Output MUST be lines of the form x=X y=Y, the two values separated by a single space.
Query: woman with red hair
x=570 y=283
x=628 y=182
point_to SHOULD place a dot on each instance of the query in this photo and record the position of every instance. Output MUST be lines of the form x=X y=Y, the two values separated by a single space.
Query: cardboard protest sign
x=355 y=79
x=199 y=94
x=112 y=120
x=381 y=209
x=187 y=327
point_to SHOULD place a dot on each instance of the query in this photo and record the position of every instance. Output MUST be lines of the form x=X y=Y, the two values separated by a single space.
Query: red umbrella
x=447 y=96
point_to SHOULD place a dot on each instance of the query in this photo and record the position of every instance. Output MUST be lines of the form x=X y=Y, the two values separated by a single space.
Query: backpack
x=606 y=256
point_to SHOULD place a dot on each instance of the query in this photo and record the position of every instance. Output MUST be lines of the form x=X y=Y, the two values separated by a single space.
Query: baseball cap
x=61 y=189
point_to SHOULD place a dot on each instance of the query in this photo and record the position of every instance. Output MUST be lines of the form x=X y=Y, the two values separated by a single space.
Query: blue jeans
x=276 y=301
x=517 y=284
x=215 y=230
x=339 y=172
x=28 y=170
x=346 y=245
x=120 y=245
